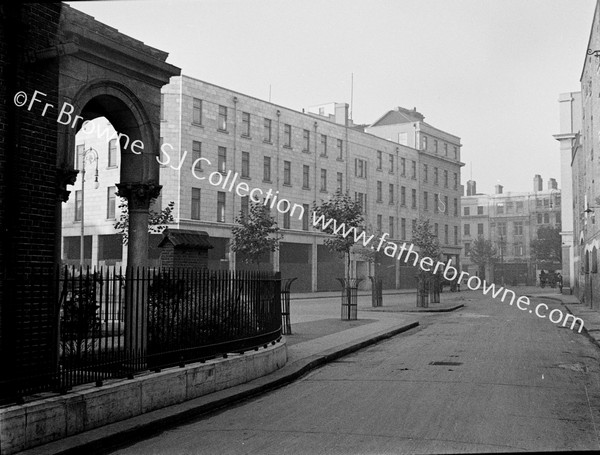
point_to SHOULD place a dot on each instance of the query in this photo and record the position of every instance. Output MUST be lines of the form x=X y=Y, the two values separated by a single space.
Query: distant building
x=510 y=220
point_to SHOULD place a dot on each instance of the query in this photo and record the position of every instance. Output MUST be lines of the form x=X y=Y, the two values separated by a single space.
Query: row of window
x=111 y=203
x=436 y=177
x=424 y=146
x=113 y=152
x=518 y=249
x=467 y=210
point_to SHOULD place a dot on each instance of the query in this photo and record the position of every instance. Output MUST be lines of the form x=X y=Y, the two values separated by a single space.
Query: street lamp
x=90 y=155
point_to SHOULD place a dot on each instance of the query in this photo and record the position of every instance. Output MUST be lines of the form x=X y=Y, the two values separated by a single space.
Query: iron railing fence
x=113 y=323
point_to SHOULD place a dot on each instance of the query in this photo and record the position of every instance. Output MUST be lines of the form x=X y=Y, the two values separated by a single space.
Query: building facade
x=510 y=221
x=220 y=148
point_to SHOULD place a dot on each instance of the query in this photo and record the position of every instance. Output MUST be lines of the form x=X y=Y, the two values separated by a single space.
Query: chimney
x=537 y=183
x=498 y=188
x=341 y=113
x=552 y=185
x=471 y=188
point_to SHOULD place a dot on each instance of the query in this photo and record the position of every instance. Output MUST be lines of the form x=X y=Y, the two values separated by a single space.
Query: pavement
x=318 y=336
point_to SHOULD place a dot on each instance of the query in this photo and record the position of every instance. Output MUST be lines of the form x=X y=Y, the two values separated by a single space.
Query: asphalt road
x=487 y=378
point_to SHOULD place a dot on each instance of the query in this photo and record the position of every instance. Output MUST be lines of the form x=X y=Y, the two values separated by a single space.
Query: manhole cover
x=450 y=364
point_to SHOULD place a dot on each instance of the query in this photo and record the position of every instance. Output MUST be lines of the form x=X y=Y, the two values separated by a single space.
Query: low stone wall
x=86 y=407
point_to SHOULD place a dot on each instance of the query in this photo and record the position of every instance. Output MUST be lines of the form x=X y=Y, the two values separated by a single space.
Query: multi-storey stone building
x=511 y=221
x=220 y=148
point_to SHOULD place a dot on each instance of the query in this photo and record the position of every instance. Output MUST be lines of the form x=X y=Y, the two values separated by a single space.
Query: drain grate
x=444 y=363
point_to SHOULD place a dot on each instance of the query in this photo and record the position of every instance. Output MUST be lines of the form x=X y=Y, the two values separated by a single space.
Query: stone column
x=138 y=197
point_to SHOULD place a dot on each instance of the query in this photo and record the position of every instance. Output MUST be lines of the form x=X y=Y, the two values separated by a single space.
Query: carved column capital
x=64 y=177
x=138 y=195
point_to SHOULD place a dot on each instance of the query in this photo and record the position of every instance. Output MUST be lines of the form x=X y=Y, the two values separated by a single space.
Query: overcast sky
x=488 y=71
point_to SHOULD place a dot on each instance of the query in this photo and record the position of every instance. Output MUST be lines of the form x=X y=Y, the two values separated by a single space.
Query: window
x=323 y=179
x=323 y=145
x=267 y=169
x=414 y=227
x=79 y=150
x=305 y=176
x=246 y=164
x=286 y=217
x=246 y=124
x=467 y=229
x=425 y=200
x=518 y=249
x=446 y=211
x=112 y=153
x=391 y=227
x=305 y=209
x=111 y=202
x=436 y=176
x=360 y=168
x=306 y=139
x=446 y=234
x=197 y=112
x=445 y=178
x=287 y=135
x=538 y=202
x=480 y=210
x=379 y=191
x=467 y=211
x=222 y=160
x=546 y=218
x=539 y=218
x=546 y=203
x=245 y=206
x=455 y=207
x=456 y=235
x=222 y=121
x=436 y=203
x=379 y=159
x=195 y=203
x=414 y=170
x=287 y=172
x=414 y=199
x=267 y=132
x=402 y=195
x=518 y=228
x=500 y=208
x=391 y=163
x=78 y=205
x=340 y=147
x=455 y=181
x=379 y=223
x=455 y=152
x=361 y=198
x=502 y=229
x=196 y=155
x=519 y=206
x=445 y=149
x=403 y=228
x=435 y=145
x=424 y=143
x=436 y=229
x=425 y=172
x=221 y=206
x=509 y=207
x=479 y=228
x=403 y=167
x=391 y=193
x=340 y=179
x=467 y=249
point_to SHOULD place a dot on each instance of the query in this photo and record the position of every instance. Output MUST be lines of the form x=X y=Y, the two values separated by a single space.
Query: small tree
x=342 y=209
x=429 y=246
x=548 y=245
x=257 y=233
x=157 y=221
x=483 y=253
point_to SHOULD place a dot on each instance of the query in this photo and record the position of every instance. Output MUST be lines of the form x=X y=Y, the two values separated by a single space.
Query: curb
x=424 y=310
x=119 y=434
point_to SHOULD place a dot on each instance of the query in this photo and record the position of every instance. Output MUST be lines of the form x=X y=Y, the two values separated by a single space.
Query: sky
x=487 y=71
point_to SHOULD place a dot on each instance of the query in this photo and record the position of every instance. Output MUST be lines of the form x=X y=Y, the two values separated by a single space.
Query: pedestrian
x=559 y=281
